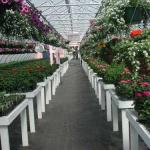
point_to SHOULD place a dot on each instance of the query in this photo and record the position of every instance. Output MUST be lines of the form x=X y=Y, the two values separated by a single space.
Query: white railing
x=42 y=94
x=5 y=121
x=109 y=101
x=136 y=130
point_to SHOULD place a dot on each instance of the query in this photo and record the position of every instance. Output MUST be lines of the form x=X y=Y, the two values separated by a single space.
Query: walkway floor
x=73 y=120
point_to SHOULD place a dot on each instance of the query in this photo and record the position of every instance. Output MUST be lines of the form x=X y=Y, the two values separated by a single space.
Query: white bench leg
x=103 y=103
x=39 y=108
x=4 y=138
x=115 y=117
x=31 y=116
x=134 y=139
x=108 y=105
x=43 y=99
x=125 y=131
x=24 y=129
x=99 y=93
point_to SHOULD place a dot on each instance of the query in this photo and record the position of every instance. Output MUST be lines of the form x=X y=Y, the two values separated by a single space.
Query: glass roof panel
x=69 y=16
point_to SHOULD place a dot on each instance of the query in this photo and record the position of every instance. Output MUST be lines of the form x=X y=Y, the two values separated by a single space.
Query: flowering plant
x=136 y=55
x=14 y=25
x=135 y=33
x=142 y=100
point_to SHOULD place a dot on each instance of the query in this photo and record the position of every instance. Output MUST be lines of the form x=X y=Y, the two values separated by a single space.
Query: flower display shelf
x=117 y=104
x=5 y=121
x=136 y=130
x=17 y=57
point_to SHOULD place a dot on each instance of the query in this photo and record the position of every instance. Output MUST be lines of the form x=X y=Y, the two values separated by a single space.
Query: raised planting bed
x=136 y=130
x=9 y=114
x=117 y=103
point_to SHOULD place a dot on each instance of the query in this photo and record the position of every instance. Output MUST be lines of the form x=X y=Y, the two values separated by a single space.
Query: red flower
x=138 y=94
x=134 y=33
x=145 y=84
x=146 y=93
x=125 y=81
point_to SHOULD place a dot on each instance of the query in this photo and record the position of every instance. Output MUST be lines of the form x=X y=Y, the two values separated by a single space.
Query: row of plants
x=18 y=20
x=23 y=77
x=20 y=77
x=120 y=53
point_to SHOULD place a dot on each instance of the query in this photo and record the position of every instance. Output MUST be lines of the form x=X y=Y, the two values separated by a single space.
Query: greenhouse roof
x=69 y=16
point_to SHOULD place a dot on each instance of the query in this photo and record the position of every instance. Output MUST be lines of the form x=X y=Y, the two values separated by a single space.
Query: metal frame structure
x=69 y=16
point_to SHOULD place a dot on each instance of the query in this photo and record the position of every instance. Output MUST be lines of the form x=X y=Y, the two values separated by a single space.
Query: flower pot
x=133 y=15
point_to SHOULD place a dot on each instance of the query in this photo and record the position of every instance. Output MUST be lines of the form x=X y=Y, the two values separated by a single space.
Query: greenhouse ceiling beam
x=72 y=19
x=81 y=4
x=69 y=12
x=57 y=23
x=86 y=13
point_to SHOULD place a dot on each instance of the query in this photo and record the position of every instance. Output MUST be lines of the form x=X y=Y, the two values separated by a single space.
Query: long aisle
x=73 y=120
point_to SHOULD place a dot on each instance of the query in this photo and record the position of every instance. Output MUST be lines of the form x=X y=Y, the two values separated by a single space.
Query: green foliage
x=62 y=60
x=126 y=91
x=14 y=25
x=8 y=103
x=113 y=73
x=23 y=77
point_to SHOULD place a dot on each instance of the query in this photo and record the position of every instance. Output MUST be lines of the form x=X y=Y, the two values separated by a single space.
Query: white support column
x=108 y=105
x=53 y=85
x=24 y=129
x=4 y=138
x=95 y=84
x=31 y=115
x=103 y=95
x=134 y=139
x=55 y=82
x=99 y=92
x=43 y=99
x=47 y=93
x=125 y=131
x=115 y=117
x=39 y=108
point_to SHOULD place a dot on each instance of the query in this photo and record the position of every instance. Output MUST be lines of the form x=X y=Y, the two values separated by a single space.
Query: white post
x=53 y=85
x=95 y=85
x=99 y=92
x=115 y=117
x=108 y=105
x=24 y=129
x=134 y=138
x=39 y=108
x=4 y=138
x=125 y=131
x=31 y=115
x=43 y=99
x=103 y=103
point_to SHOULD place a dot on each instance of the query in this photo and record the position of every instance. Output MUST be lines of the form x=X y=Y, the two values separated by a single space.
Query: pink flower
x=25 y=9
x=145 y=83
x=146 y=93
x=138 y=94
x=4 y=1
x=125 y=81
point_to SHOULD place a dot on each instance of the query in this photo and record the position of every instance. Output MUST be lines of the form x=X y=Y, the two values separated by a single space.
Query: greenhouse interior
x=74 y=74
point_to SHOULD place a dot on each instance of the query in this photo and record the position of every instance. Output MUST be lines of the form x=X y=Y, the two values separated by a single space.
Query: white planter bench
x=5 y=121
x=122 y=105
x=136 y=130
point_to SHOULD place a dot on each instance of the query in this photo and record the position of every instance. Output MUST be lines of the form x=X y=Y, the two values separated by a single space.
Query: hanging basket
x=133 y=15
